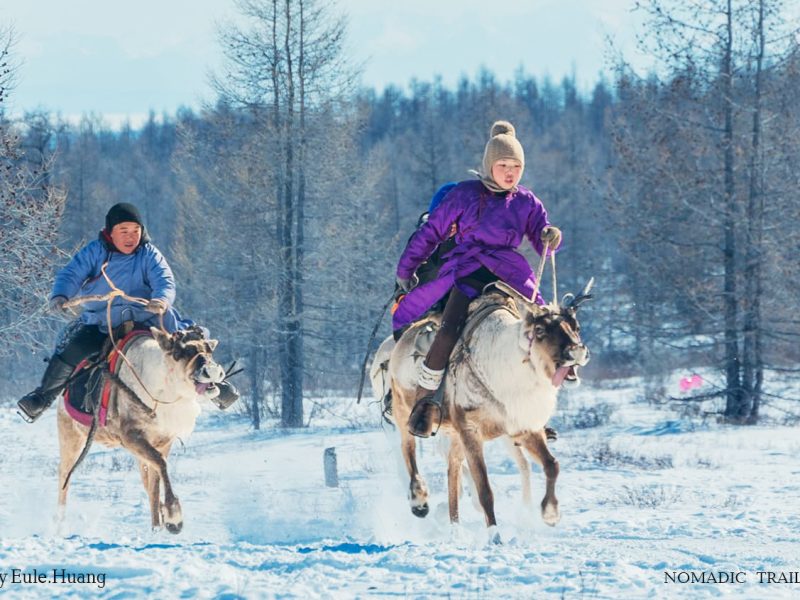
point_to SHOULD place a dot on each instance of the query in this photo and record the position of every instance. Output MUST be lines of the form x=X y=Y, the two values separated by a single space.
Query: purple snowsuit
x=490 y=228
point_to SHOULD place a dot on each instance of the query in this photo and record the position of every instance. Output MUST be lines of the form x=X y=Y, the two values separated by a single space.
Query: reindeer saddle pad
x=90 y=391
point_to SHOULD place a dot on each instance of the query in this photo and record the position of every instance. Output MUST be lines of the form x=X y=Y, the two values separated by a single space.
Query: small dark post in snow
x=331 y=471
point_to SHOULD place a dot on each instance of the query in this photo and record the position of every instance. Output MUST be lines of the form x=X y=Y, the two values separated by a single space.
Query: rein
x=109 y=299
x=463 y=355
x=540 y=272
x=115 y=291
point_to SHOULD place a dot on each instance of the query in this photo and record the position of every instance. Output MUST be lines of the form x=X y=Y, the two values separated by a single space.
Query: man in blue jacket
x=133 y=265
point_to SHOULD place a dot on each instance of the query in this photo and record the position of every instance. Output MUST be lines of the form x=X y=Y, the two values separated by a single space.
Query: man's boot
x=228 y=394
x=427 y=408
x=55 y=377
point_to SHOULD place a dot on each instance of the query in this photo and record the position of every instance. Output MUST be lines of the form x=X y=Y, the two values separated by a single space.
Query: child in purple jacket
x=491 y=216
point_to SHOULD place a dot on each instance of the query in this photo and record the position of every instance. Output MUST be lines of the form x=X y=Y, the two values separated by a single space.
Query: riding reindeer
x=154 y=401
x=502 y=379
x=381 y=390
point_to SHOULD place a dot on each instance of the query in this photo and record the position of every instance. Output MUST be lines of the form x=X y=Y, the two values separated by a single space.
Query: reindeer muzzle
x=206 y=374
x=574 y=356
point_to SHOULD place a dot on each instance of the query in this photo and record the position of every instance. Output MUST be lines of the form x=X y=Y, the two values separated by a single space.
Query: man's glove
x=156 y=305
x=408 y=284
x=551 y=236
x=57 y=306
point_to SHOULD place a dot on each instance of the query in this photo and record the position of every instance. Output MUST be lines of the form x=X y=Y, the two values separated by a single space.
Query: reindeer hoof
x=494 y=535
x=421 y=511
x=171 y=516
x=550 y=514
x=174 y=527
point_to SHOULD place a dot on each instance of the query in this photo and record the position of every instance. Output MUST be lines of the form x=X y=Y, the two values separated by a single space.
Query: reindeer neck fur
x=176 y=405
x=516 y=390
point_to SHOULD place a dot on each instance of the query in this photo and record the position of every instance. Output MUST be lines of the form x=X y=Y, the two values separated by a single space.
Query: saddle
x=90 y=390
x=423 y=330
x=491 y=298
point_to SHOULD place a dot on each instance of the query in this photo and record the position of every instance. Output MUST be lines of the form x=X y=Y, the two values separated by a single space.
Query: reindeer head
x=193 y=352
x=550 y=335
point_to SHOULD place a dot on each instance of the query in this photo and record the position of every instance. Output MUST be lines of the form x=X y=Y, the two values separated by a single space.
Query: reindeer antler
x=572 y=301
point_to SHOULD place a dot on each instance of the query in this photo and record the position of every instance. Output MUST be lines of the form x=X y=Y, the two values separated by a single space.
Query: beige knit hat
x=502 y=143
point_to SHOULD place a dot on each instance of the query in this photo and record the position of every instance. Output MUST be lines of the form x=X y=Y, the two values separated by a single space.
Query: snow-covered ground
x=645 y=497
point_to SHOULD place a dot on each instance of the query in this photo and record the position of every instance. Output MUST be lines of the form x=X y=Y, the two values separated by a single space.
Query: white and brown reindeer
x=381 y=391
x=155 y=402
x=502 y=380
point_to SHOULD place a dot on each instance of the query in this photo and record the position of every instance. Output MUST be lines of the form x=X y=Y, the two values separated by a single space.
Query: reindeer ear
x=212 y=344
x=526 y=331
x=164 y=340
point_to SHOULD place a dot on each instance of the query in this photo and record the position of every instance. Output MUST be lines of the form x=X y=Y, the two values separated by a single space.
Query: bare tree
x=30 y=212
x=225 y=248
x=771 y=196
x=285 y=64
x=690 y=142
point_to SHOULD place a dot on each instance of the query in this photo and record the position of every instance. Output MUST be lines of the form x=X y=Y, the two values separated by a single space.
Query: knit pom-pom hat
x=503 y=143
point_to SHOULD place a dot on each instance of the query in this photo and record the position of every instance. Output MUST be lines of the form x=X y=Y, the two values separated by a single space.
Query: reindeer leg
x=523 y=466
x=70 y=442
x=152 y=486
x=473 y=448
x=171 y=514
x=418 y=489
x=455 y=458
x=536 y=444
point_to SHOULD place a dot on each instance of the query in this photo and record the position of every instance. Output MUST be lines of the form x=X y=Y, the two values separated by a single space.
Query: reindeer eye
x=539 y=331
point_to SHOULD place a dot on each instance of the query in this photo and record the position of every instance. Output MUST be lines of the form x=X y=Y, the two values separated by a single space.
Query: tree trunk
x=292 y=360
x=752 y=367
x=299 y=266
x=256 y=372
x=734 y=408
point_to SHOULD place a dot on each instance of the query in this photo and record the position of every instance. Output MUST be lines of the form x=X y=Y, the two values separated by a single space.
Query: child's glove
x=408 y=284
x=551 y=236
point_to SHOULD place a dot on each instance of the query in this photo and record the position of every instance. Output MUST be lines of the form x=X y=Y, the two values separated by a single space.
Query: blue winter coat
x=141 y=274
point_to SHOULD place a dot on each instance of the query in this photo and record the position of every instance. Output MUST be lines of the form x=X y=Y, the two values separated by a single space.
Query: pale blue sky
x=117 y=57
